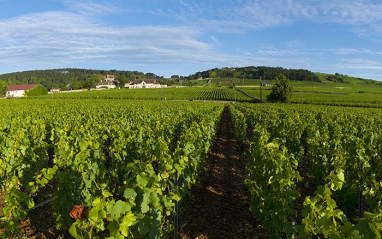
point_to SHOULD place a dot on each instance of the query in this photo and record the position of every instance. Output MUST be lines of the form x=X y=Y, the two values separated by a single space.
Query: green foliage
x=336 y=151
x=92 y=81
x=336 y=78
x=121 y=170
x=123 y=80
x=3 y=88
x=250 y=72
x=213 y=74
x=60 y=78
x=77 y=85
x=239 y=124
x=186 y=93
x=36 y=91
x=274 y=189
x=281 y=91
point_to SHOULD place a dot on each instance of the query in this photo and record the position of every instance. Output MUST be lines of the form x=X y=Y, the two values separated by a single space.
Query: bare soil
x=40 y=222
x=220 y=204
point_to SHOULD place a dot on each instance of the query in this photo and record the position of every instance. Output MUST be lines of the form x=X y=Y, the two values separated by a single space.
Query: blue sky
x=169 y=37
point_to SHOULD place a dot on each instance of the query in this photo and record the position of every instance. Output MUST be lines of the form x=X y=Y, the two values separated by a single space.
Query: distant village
x=108 y=82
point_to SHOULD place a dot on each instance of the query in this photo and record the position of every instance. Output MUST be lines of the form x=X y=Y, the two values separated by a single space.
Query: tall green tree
x=281 y=91
x=123 y=80
x=38 y=90
x=92 y=81
x=213 y=74
x=3 y=88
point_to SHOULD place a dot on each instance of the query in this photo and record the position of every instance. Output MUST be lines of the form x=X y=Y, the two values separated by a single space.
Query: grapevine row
x=117 y=159
x=314 y=171
x=187 y=93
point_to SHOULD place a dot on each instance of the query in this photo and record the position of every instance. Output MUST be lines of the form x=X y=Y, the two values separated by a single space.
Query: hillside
x=250 y=76
x=346 y=79
x=60 y=78
x=255 y=72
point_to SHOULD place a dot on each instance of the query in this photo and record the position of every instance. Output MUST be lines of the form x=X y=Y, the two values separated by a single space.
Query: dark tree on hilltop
x=281 y=91
x=336 y=78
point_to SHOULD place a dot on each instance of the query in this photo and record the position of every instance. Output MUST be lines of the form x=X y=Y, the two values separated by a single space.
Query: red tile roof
x=21 y=87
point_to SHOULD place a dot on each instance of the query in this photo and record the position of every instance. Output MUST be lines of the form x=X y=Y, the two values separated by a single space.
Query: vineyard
x=301 y=95
x=118 y=168
x=186 y=93
x=124 y=165
x=331 y=97
x=314 y=171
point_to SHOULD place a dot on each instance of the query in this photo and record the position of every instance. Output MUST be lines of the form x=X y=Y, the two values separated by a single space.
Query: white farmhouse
x=54 y=90
x=19 y=90
x=108 y=82
x=144 y=83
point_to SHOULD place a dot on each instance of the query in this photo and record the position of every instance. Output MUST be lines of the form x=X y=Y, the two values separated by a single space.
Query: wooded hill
x=251 y=72
x=270 y=73
x=61 y=78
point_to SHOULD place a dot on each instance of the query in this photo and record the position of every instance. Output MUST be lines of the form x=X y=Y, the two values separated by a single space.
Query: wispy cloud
x=56 y=39
x=62 y=37
x=239 y=15
x=285 y=52
x=91 y=7
x=357 y=63
x=352 y=51
x=291 y=50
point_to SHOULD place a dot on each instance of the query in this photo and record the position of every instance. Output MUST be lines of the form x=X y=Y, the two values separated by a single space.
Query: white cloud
x=56 y=39
x=239 y=16
x=61 y=38
x=359 y=61
x=364 y=67
x=293 y=49
x=91 y=7
x=352 y=51
x=216 y=41
x=283 y=52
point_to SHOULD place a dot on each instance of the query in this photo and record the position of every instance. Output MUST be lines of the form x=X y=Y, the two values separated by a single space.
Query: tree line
x=71 y=77
x=251 y=72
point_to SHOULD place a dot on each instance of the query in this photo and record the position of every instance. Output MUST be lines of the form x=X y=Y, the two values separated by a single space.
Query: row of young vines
x=314 y=171
x=186 y=93
x=115 y=159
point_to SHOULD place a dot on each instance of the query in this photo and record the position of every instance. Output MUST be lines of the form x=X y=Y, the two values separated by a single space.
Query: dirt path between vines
x=220 y=204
